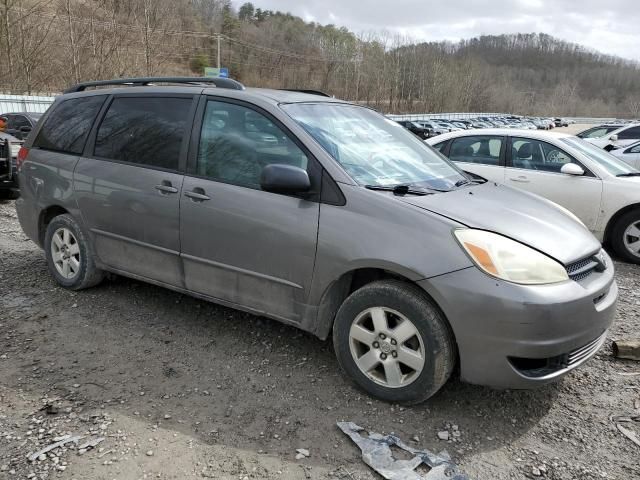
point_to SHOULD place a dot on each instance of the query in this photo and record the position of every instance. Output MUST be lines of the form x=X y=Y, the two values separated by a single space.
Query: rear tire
x=70 y=255
x=373 y=340
x=625 y=237
x=8 y=194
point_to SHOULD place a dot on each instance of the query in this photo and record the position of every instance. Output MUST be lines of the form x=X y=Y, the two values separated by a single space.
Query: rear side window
x=481 y=149
x=18 y=121
x=440 y=146
x=66 y=128
x=144 y=130
x=632 y=133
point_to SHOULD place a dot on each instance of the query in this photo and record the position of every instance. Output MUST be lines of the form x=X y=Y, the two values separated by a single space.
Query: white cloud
x=610 y=27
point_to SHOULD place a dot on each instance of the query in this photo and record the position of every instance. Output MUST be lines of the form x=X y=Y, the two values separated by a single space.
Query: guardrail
x=467 y=115
x=24 y=103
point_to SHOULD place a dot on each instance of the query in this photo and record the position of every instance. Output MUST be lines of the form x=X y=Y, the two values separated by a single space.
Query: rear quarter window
x=144 y=130
x=440 y=146
x=67 y=126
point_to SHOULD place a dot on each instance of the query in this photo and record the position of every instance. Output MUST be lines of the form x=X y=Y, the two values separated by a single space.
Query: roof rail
x=310 y=92
x=219 y=82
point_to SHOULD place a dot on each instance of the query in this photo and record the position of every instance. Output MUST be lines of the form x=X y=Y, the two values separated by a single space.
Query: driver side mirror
x=280 y=178
x=25 y=129
x=613 y=138
x=572 y=169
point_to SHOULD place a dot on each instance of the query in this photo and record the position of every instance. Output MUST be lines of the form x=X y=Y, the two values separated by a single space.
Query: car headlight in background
x=509 y=260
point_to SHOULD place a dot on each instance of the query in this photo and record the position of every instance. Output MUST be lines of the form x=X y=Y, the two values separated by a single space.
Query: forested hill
x=48 y=44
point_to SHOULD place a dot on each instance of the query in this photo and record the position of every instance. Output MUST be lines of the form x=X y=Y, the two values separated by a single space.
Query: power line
x=113 y=25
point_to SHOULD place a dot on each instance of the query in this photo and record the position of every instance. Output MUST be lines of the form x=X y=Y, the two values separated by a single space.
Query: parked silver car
x=410 y=264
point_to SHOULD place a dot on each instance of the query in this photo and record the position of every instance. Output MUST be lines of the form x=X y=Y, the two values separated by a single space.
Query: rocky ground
x=171 y=387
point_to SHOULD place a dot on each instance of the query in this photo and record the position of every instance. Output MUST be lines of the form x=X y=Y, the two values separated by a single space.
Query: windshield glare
x=612 y=164
x=379 y=152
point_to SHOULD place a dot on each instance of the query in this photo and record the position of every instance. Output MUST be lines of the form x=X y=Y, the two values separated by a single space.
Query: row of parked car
x=432 y=127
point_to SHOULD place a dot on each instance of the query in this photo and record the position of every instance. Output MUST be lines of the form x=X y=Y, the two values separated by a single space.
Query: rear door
x=479 y=154
x=534 y=166
x=240 y=244
x=128 y=184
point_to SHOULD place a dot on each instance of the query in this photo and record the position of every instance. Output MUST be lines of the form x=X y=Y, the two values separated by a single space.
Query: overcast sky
x=609 y=26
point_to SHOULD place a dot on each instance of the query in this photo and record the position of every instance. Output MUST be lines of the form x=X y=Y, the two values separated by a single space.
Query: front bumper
x=521 y=336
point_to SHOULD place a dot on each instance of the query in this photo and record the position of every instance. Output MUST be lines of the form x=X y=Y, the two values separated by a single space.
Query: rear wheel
x=625 y=237
x=6 y=194
x=394 y=342
x=70 y=255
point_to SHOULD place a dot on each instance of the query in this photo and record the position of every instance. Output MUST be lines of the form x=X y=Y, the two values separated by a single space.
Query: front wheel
x=625 y=237
x=70 y=255
x=394 y=342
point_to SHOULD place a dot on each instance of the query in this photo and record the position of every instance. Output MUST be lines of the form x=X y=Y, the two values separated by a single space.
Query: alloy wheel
x=65 y=252
x=387 y=347
x=631 y=239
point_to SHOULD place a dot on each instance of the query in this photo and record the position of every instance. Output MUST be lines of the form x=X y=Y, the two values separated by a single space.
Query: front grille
x=582 y=268
x=542 y=367
x=583 y=352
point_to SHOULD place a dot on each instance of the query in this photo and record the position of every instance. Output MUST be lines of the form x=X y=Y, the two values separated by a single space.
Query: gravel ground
x=180 y=388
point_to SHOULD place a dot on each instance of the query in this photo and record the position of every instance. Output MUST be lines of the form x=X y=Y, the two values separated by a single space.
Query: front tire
x=394 y=342
x=625 y=237
x=70 y=256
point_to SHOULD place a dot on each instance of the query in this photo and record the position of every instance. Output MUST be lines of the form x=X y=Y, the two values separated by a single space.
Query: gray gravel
x=167 y=378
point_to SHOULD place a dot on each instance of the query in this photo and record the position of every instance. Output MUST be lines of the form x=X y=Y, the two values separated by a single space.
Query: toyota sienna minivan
x=321 y=214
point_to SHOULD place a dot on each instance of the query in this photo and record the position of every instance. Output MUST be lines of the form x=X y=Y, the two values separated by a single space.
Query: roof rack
x=310 y=92
x=219 y=82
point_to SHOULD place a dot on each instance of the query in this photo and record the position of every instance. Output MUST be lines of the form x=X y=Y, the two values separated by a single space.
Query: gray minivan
x=321 y=214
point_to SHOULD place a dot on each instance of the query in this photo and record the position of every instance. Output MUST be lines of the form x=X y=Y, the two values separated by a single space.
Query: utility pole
x=218 y=50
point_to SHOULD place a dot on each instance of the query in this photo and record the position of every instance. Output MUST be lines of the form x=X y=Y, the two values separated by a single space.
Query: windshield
x=597 y=132
x=613 y=165
x=384 y=154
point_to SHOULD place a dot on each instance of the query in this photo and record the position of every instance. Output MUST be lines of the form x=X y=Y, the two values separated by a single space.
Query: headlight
x=509 y=260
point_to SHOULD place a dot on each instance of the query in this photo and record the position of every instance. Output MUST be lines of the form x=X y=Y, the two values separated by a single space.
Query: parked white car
x=620 y=137
x=629 y=154
x=598 y=188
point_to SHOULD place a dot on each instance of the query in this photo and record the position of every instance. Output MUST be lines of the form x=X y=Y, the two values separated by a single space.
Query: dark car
x=9 y=147
x=19 y=124
x=416 y=128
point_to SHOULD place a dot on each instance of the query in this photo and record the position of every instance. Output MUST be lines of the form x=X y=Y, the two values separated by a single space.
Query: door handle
x=197 y=195
x=165 y=187
x=521 y=179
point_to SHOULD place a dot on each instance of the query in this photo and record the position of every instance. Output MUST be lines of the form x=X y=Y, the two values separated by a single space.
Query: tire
x=6 y=194
x=622 y=231
x=82 y=271
x=434 y=342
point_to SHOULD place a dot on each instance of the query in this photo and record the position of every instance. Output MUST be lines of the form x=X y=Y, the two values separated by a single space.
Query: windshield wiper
x=630 y=174
x=398 y=189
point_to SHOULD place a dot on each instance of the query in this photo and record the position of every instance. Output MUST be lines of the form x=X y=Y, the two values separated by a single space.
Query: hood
x=522 y=216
